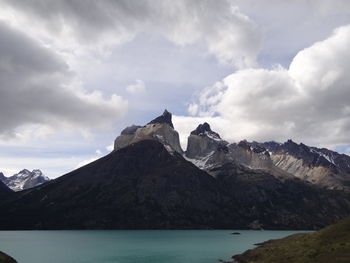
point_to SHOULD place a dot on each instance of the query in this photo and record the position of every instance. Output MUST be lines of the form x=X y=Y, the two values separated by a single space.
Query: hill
x=331 y=244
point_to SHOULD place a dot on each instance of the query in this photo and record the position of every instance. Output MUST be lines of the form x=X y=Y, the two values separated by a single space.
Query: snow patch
x=200 y=162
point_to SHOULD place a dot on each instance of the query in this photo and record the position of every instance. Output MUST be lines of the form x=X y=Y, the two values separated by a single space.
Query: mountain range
x=149 y=182
x=25 y=179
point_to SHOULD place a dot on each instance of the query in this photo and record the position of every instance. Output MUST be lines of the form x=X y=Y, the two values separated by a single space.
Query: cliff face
x=160 y=129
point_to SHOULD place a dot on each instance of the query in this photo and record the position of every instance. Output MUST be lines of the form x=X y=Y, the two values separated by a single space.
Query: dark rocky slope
x=4 y=191
x=331 y=244
x=6 y=258
x=144 y=186
x=139 y=186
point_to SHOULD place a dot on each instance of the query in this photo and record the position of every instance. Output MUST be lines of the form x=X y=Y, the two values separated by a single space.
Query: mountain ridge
x=24 y=179
x=146 y=183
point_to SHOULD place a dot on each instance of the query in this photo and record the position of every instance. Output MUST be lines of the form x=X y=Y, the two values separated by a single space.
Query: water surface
x=149 y=246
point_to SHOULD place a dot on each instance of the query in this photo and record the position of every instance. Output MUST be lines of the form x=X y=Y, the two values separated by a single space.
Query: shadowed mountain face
x=144 y=186
x=4 y=190
x=139 y=186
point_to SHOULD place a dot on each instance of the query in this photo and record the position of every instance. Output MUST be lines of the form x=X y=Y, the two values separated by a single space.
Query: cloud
x=136 y=88
x=110 y=147
x=87 y=161
x=51 y=167
x=227 y=33
x=308 y=102
x=38 y=88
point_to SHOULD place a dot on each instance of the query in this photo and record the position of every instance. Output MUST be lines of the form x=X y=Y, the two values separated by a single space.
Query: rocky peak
x=24 y=172
x=203 y=141
x=164 y=118
x=160 y=129
x=24 y=179
x=204 y=129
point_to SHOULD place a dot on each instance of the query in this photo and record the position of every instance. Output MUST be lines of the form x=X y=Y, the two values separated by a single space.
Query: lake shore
x=331 y=244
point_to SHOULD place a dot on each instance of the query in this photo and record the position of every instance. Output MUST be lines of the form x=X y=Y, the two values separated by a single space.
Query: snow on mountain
x=24 y=179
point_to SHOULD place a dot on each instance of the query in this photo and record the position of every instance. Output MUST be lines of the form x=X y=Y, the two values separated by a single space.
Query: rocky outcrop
x=165 y=118
x=25 y=179
x=160 y=129
x=202 y=142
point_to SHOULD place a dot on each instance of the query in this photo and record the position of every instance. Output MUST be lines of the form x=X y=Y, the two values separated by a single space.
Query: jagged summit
x=24 y=179
x=164 y=118
x=204 y=129
x=160 y=129
x=203 y=142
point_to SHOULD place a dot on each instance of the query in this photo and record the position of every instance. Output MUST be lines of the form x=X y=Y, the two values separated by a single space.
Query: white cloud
x=308 y=102
x=136 y=88
x=110 y=147
x=51 y=167
x=85 y=162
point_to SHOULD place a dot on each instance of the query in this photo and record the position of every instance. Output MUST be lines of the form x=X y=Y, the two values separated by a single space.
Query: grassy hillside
x=6 y=259
x=331 y=244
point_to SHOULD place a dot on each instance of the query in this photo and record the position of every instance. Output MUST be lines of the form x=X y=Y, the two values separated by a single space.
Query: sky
x=73 y=74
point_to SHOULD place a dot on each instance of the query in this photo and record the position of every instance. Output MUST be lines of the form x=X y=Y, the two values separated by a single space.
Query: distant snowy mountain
x=24 y=179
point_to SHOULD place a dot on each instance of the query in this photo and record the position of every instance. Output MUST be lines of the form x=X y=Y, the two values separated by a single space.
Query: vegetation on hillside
x=331 y=244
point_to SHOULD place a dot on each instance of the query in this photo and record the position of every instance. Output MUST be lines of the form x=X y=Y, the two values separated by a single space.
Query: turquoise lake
x=149 y=246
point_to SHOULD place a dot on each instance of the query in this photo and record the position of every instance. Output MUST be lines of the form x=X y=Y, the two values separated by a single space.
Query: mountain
x=24 y=179
x=143 y=186
x=146 y=184
x=321 y=167
x=160 y=129
x=207 y=150
x=331 y=244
